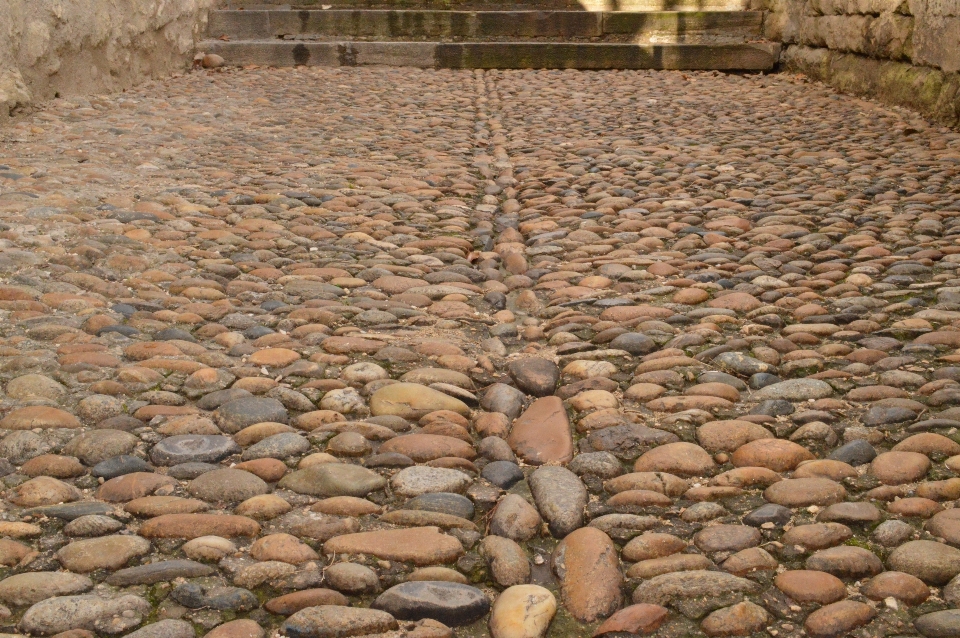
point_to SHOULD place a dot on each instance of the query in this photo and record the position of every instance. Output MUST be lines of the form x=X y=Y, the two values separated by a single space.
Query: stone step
x=503 y=5
x=372 y=24
x=753 y=56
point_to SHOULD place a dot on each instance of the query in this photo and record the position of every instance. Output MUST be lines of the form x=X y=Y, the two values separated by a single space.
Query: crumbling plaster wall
x=50 y=47
x=904 y=52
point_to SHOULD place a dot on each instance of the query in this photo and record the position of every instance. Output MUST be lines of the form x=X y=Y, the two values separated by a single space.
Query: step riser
x=253 y=25
x=743 y=57
x=510 y=5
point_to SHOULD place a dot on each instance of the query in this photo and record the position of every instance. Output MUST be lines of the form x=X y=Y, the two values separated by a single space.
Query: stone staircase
x=485 y=34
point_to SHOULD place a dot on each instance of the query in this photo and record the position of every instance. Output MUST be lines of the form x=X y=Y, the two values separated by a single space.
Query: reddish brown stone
x=774 y=454
x=427 y=447
x=282 y=547
x=737 y=301
x=195 y=525
x=270 y=470
x=150 y=506
x=542 y=433
x=586 y=563
x=897 y=468
x=807 y=586
x=292 y=603
x=131 y=486
x=642 y=619
x=838 y=619
x=727 y=436
x=899 y=585
x=242 y=628
x=805 y=492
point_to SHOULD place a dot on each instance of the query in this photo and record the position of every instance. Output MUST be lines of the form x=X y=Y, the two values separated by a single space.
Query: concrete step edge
x=753 y=56
x=418 y=24
x=497 y=5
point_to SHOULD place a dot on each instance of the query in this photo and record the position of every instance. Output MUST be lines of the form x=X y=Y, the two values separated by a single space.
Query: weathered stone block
x=930 y=91
x=890 y=36
x=936 y=41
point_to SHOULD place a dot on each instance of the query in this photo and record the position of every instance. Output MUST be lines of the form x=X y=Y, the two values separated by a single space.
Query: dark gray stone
x=443 y=502
x=214 y=400
x=197 y=596
x=879 y=415
x=494 y=448
x=123 y=422
x=856 y=452
x=560 y=498
x=120 y=465
x=504 y=398
x=190 y=471
x=635 y=343
x=762 y=380
x=453 y=604
x=70 y=511
x=278 y=446
x=722 y=377
x=92 y=525
x=235 y=415
x=741 y=364
x=602 y=464
x=769 y=513
x=773 y=407
x=389 y=459
x=627 y=442
x=535 y=376
x=22 y=445
x=193 y=448
x=159 y=572
x=939 y=624
x=503 y=474
x=174 y=334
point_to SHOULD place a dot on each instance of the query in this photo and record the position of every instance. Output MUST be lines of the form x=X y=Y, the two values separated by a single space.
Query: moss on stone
x=930 y=91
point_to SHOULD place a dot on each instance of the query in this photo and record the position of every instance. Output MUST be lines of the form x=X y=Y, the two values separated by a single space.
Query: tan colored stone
x=682 y=459
x=418 y=545
x=727 y=436
x=774 y=454
x=38 y=416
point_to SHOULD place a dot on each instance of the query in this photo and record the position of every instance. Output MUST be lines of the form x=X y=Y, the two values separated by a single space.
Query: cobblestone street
x=418 y=353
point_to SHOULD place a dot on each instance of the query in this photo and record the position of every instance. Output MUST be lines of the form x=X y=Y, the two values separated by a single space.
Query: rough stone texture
x=236 y=212
x=900 y=53
x=49 y=47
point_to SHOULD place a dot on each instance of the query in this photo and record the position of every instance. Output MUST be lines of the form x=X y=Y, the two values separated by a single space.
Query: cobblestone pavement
x=419 y=353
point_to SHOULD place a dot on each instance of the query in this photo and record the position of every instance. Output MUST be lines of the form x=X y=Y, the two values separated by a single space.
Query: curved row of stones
x=527 y=354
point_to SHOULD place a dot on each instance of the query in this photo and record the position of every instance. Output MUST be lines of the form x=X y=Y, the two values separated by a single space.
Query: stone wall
x=903 y=52
x=50 y=47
